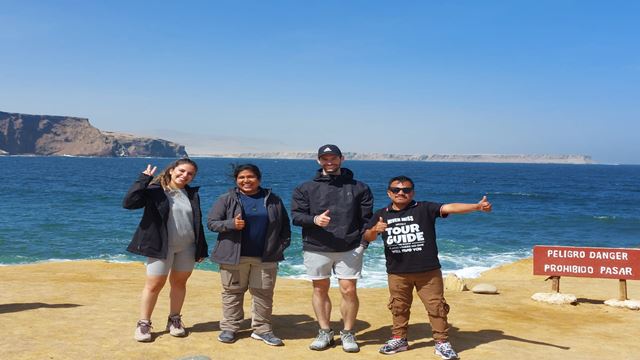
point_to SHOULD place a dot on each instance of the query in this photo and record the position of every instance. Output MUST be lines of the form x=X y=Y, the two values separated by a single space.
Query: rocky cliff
x=22 y=134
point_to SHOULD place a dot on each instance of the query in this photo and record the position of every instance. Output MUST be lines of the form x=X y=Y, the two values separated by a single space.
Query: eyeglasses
x=407 y=190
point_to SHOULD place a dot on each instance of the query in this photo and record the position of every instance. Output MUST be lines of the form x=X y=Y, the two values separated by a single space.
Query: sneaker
x=445 y=351
x=323 y=340
x=143 y=331
x=349 y=343
x=175 y=326
x=227 y=336
x=269 y=338
x=394 y=345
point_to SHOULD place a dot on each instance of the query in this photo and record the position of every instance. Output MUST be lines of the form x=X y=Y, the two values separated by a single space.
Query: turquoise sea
x=69 y=208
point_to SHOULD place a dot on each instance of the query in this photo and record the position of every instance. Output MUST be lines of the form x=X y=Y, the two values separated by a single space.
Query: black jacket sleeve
x=135 y=199
x=300 y=209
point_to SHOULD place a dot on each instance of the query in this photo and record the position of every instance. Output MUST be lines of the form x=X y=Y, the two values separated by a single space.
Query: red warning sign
x=590 y=262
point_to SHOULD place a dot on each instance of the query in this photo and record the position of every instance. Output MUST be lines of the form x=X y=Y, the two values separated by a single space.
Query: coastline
x=88 y=309
x=565 y=159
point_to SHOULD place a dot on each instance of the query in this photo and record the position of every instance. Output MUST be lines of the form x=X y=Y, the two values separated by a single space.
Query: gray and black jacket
x=350 y=205
x=221 y=220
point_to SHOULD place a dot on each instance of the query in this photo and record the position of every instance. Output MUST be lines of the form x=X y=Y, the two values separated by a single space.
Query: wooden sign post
x=608 y=263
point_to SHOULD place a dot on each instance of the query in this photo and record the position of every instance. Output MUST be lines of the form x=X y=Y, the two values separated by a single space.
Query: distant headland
x=485 y=158
x=23 y=134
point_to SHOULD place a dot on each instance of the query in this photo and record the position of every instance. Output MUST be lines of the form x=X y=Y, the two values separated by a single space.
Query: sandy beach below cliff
x=88 y=310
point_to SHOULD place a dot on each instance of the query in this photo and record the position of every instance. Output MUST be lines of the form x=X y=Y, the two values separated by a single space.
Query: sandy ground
x=88 y=310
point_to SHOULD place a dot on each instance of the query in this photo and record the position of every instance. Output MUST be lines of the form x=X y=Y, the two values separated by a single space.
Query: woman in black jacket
x=170 y=234
x=253 y=231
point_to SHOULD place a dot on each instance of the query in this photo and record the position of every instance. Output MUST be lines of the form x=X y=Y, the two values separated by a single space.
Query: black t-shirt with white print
x=410 y=238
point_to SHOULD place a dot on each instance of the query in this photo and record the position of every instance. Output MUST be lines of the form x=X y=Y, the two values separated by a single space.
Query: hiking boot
x=175 y=326
x=349 y=343
x=323 y=340
x=394 y=345
x=143 y=331
x=269 y=338
x=227 y=336
x=445 y=351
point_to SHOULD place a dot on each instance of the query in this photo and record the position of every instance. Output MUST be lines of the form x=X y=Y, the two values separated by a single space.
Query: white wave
x=117 y=259
x=513 y=193
x=604 y=217
x=471 y=272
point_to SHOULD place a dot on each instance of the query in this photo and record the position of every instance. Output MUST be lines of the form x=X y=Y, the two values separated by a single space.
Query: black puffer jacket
x=221 y=220
x=349 y=202
x=151 y=237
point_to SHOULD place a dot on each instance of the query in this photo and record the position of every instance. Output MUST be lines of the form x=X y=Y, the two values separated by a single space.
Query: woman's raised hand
x=150 y=170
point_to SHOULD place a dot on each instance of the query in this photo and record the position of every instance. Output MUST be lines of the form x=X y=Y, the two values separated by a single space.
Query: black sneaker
x=227 y=337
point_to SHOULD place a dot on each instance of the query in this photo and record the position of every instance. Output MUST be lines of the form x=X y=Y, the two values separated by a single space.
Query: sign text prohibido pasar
x=608 y=263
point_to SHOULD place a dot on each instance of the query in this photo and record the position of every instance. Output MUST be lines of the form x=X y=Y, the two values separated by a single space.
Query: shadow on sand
x=16 y=307
x=462 y=340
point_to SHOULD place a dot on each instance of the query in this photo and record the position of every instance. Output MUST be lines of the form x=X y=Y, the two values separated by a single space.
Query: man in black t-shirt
x=407 y=228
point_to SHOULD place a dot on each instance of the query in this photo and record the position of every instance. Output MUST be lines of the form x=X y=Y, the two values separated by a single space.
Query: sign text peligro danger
x=590 y=262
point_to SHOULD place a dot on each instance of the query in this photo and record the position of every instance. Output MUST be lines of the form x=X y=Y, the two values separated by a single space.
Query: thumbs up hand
x=323 y=219
x=380 y=226
x=238 y=222
x=485 y=205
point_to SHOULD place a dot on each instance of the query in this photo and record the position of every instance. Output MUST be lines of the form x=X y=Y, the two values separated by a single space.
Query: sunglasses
x=396 y=190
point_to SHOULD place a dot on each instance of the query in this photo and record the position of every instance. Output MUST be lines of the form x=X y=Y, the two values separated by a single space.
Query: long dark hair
x=164 y=178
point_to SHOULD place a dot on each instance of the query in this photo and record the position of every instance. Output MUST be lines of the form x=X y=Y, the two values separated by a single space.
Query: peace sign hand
x=150 y=171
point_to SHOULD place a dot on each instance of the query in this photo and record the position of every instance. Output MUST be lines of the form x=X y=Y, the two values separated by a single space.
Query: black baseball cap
x=329 y=149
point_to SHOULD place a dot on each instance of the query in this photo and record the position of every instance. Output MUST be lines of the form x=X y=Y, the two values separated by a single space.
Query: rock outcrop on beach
x=22 y=134
x=488 y=158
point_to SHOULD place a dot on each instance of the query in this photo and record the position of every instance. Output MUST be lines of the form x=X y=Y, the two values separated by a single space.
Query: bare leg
x=322 y=303
x=152 y=287
x=350 y=303
x=178 y=282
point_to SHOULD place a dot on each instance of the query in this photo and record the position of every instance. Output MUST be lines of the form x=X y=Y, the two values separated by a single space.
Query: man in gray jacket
x=333 y=209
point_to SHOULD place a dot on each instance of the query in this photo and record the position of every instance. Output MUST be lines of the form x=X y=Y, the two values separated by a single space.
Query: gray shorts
x=345 y=265
x=177 y=259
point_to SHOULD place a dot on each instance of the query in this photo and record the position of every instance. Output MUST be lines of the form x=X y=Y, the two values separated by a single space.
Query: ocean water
x=69 y=208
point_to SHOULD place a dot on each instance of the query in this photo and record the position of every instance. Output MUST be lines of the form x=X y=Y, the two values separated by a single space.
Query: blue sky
x=447 y=77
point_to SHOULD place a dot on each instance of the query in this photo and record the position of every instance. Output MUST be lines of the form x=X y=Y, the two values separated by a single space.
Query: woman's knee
x=179 y=279
x=154 y=284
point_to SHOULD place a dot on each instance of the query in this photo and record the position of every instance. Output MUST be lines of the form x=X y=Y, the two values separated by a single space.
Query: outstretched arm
x=459 y=208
